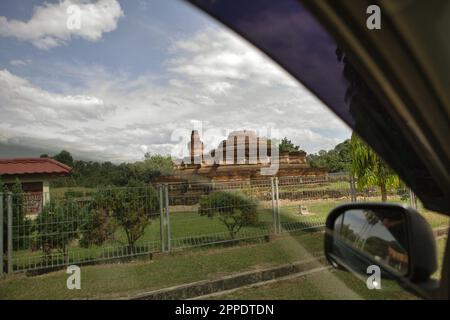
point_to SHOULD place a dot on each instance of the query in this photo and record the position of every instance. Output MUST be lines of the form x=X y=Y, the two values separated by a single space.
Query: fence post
x=1 y=234
x=161 y=217
x=167 y=218
x=277 y=194
x=412 y=199
x=274 y=218
x=9 y=233
x=352 y=188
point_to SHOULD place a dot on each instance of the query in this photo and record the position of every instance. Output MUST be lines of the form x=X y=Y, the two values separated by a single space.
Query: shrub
x=22 y=226
x=98 y=227
x=131 y=208
x=403 y=193
x=234 y=210
x=57 y=225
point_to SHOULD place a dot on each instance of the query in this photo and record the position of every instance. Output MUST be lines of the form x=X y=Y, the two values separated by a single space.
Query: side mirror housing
x=395 y=238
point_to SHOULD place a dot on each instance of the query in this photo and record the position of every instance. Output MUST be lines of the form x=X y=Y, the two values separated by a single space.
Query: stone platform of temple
x=244 y=161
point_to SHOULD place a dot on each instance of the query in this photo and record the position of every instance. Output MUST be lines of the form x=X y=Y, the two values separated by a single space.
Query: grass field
x=333 y=284
x=126 y=279
x=61 y=191
x=327 y=285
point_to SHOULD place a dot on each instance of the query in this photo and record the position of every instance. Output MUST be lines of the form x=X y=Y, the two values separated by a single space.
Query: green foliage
x=64 y=157
x=98 y=227
x=57 y=225
x=17 y=203
x=71 y=194
x=21 y=224
x=287 y=146
x=152 y=167
x=403 y=194
x=92 y=174
x=335 y=160
x=131 y=208
x=370 y=170
x=234 y=210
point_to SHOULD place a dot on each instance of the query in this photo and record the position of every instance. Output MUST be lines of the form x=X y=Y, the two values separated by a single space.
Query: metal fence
x=119 y=223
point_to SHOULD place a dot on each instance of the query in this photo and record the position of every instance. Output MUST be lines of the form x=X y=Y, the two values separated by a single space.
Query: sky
x=137 y=77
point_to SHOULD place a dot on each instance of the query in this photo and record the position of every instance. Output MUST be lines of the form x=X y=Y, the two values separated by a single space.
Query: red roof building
x=28 y=166
x=35 y=175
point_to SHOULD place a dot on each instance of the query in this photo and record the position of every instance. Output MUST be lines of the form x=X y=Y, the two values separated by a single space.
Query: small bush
x=97 y=228
x=234 y=210
x=130 y=207
x=23 y=227
x=56 y=226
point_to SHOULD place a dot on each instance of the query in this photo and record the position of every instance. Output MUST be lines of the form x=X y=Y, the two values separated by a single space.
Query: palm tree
x=369 y=169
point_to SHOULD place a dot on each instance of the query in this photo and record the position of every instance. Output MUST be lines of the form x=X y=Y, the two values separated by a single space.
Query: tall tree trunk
x=383 y=192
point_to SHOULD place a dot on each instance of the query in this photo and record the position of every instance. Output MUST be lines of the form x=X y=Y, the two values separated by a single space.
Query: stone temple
x=241 y=157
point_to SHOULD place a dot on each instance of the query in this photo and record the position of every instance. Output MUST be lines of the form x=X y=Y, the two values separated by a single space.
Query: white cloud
x=218 y=54
x=212 y=77
x=19 y=97
x=18 y=62
x=47 y=28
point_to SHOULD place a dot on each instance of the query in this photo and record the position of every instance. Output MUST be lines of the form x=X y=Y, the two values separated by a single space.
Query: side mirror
x=397 y=239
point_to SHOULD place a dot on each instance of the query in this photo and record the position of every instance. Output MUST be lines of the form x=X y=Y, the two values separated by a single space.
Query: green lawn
x=123 y=280
x=321 y=208
x=120 y=280
x=333 y=185
x=329 y=284
x=61 y=191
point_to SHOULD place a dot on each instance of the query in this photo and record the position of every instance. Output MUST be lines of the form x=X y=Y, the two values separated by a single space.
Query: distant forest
x=335 y=160
x=99 y=174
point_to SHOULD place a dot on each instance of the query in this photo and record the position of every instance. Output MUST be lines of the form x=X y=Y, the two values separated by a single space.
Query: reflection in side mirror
x=395 y=238
x=380 y=235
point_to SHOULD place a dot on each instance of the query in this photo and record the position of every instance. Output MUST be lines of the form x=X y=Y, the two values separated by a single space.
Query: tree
x=22 y=226
x=287 y=146
x=64 y=157
x=98 y=227
x=104 y=174
x=334 y=160
x=369 y=169
x=131 y=207
x=234 y=210
x=153 y=166
x=57 y=225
